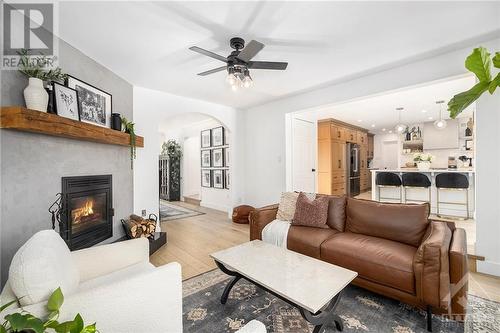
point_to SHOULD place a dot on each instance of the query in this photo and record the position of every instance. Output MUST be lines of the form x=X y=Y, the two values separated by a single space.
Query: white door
x=390 y=155
x=303 y=157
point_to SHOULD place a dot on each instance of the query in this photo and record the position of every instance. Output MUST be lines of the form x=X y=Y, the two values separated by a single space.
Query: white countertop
x=464 y=170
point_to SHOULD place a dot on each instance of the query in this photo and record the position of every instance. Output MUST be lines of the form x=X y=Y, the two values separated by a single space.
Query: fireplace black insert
x=87 y=216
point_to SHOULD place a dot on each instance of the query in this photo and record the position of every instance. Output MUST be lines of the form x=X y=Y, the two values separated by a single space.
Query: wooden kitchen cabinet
x=332 y=161
x=370 y=146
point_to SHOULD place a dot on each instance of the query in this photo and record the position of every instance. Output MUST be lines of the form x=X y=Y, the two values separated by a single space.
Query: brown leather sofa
x=396 y=250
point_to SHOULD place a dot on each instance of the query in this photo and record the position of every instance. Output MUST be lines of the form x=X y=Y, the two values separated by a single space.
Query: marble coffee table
x=313 y=286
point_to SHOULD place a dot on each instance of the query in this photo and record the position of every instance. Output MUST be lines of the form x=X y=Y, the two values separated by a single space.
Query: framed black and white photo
x=94 y=104
x=226 y=157
x=227 y=180
x=218 y=136
x=206 y=178
x=218 y=158
x=206 y=158
x=206 y=138
x=218 y=179
x=66 y=101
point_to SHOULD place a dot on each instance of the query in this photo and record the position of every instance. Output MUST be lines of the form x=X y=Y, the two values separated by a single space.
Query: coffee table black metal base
x=318 y=319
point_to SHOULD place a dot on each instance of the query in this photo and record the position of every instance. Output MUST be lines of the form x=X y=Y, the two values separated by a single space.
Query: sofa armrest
x=101 y=260
x=259 y=218
x=431 y=266
x=149 y=302
x=459 y=273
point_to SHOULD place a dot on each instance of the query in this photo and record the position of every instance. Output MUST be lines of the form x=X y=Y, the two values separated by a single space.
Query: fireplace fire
x=87 y=210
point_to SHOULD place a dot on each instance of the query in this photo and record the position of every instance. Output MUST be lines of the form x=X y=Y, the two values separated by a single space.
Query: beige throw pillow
x=288 y=202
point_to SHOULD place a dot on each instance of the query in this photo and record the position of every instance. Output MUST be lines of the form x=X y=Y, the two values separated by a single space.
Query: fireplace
x=87 y=217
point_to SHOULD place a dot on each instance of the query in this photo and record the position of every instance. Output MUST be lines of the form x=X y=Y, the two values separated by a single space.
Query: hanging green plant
x=128 y=127
x=478 y=62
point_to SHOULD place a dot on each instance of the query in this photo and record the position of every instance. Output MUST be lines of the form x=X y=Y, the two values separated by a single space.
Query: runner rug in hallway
x=169 y=211
x=360 y=310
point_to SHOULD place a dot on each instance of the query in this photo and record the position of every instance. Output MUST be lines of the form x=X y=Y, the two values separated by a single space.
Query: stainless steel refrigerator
x=352 y=186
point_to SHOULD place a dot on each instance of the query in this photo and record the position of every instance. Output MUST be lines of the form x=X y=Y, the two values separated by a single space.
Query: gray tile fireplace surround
x=32 y=164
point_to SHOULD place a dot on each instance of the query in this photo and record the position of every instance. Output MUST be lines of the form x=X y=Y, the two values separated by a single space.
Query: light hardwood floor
x=192 y=239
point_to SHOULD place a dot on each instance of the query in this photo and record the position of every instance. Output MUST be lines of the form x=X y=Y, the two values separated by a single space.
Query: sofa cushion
x=311 y=213
x=336 y=212
x=379 y=260
x=40 y=266
x=288 y=202
x=405 y=223
x=307 y=240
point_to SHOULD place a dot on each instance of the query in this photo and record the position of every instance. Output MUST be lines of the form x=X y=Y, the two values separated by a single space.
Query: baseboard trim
x=214 y=206
x=488 y=267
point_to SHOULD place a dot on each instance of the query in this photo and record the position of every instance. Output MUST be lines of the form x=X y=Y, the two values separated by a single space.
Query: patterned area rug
x=169 y=211
x=361 y=311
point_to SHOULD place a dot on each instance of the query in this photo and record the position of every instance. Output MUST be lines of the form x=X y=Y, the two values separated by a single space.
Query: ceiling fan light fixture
x=247 y=80
x=231 y=77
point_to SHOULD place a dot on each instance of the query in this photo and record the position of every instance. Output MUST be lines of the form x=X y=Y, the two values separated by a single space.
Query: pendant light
x=440 y=123
x=400 y=127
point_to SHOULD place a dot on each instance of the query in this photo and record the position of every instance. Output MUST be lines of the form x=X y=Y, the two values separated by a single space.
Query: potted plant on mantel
x=478 y=62
x=423 y=161
x=35 y=68
x=128 y=127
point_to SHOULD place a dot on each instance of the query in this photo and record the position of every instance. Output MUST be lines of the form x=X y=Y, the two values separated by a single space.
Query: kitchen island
x=417 y=194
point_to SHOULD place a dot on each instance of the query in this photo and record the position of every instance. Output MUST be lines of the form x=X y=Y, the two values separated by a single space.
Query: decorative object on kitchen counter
x=479 y=62
x=470 y=126
x=423 y=161
x=116 y=121
x=452 y=162
x=400 y=127
x=36 y=69
x=440 y=123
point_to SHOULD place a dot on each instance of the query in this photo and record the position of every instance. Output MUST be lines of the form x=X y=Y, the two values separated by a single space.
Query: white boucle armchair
x=112 y=285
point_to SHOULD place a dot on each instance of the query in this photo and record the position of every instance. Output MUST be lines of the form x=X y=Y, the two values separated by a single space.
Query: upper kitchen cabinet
x=362 y=138
x=446 y=138
x=370 y=145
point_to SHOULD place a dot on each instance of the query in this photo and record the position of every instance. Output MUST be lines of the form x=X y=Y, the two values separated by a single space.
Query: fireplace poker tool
x=55 y=210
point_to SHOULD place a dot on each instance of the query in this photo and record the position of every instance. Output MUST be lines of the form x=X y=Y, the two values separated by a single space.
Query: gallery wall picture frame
x=218 y=178
x=227 y=179
x=226 y=157
x=218 y=158
x=218 y=136
x=94 y=104
x=206 y=159
x=66 y=101
x=206 y=138
x=206 y=178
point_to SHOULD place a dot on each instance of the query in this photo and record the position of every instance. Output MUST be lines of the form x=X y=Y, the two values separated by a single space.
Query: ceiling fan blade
x=208 y=53
x=267 y=65
x=250 y=51
x=215 y=70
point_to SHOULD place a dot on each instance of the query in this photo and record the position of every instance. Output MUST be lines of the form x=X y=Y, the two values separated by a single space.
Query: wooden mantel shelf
x=23 y=119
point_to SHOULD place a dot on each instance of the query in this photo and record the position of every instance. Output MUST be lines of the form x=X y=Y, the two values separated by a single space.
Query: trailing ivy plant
x=24 y=322
x=478 y=62
x=37 y=67
x=128 y=127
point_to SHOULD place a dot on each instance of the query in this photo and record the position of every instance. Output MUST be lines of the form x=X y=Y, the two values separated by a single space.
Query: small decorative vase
x=35 y=96
x=424 y=165
x=116 y=121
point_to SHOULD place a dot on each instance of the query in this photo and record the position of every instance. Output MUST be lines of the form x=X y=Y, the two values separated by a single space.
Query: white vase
x=35 y=96
x=424 y=165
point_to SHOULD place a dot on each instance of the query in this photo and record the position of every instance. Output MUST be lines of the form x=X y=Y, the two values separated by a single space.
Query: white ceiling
x=378 y=113
x=147 y=42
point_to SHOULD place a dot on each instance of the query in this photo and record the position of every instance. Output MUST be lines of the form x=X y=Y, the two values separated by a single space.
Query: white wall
x=151 y=108
x=265 y=148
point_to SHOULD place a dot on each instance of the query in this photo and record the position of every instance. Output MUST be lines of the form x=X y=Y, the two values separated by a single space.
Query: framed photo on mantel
x=66 y=101
x=94 y=104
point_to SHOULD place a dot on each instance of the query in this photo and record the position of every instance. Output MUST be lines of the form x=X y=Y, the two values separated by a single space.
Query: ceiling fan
x=239 y=62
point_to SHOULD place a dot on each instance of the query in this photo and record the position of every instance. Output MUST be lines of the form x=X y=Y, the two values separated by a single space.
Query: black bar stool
x=416 y=180
x=388 y=179
x=453 y=182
